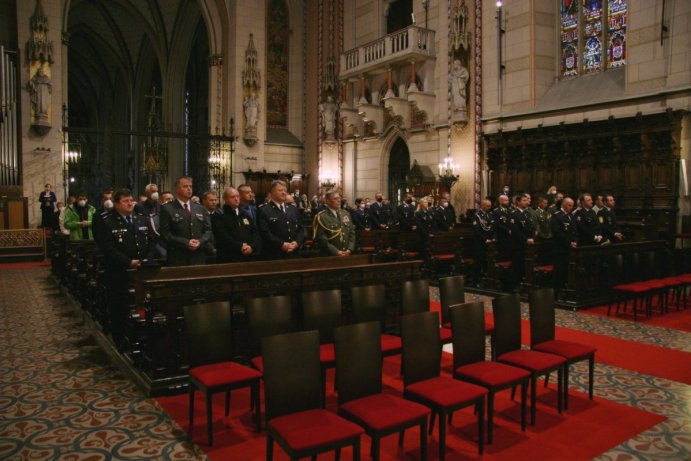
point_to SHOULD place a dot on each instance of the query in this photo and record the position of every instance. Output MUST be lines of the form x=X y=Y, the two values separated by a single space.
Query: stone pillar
x=42 y=153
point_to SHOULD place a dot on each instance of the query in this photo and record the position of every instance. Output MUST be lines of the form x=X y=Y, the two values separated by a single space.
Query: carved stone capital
x=215 y=60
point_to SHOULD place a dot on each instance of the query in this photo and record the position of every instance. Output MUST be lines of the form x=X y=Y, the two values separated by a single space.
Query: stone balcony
x=413 y=43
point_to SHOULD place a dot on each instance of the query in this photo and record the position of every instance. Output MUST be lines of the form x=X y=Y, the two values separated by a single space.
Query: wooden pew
x=160 y=293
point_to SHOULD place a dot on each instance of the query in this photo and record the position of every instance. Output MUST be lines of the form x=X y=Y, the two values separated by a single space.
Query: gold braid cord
x=318 y=223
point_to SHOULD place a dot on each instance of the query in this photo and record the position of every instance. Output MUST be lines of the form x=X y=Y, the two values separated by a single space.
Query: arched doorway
x=399 y=165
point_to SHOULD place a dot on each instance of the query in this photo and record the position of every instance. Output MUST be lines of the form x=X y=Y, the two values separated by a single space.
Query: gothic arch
x=394 y=134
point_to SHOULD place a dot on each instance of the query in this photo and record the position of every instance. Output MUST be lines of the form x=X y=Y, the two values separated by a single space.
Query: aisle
x=60 y=398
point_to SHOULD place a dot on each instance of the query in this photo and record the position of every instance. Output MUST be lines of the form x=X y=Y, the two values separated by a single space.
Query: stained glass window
x=569 y=38
x=593 y=36
x=616 y=52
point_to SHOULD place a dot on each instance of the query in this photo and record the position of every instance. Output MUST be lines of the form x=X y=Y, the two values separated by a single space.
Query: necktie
x=187 y=211
x=283 y=209
x=129 y=222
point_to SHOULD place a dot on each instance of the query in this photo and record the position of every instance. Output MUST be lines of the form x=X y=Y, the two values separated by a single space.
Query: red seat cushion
x=411 y=254
x=313 y=428
x=547 y=268
x=444 y=256
x=258 y=362
x=445 y=392
x=368 y=248
x=445 y=335
x=469 y=261
x=532 y=360
x=224 y=373
x=569 y=350
x=391 y=344
x=632 y=288
x=327 y=355
x=504 y=264
x=491 y=374
x=383 y=411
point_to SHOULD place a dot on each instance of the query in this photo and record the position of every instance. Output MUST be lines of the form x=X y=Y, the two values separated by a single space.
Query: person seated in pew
x=334 y=230
x=236 y=235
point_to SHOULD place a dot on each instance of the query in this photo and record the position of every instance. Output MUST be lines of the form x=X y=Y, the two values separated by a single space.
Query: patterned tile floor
x=60 y=398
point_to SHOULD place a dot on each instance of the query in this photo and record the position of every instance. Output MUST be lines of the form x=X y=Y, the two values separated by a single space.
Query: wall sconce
x=327 y=180
x=448 y=172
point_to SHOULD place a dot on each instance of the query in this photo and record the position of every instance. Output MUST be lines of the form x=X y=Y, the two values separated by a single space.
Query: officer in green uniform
x=334 y=229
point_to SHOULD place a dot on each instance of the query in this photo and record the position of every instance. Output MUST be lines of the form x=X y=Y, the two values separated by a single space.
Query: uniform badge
x=346 y=219
x=245 y=221
x=601 y=219
x=199 y=216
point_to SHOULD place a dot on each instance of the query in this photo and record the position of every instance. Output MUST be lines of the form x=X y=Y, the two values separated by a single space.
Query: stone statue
x=251 y=105
x=458 y=79
x=328 y=111
x=40 y=89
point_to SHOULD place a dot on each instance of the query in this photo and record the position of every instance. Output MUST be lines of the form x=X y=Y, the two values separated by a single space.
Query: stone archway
x=399 y=165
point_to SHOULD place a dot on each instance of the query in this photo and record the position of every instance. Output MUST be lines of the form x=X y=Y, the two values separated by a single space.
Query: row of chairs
x=642 y=293
x=358 y=350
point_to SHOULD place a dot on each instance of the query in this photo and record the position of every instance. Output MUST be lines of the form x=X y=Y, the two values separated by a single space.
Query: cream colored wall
x=41 y=155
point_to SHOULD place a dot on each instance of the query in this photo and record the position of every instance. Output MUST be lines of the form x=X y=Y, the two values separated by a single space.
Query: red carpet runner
x=588 y=429
x=630 y=355
x=674 y=319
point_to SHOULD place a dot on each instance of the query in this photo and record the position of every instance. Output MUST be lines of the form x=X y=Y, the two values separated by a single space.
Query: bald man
x=565 y=238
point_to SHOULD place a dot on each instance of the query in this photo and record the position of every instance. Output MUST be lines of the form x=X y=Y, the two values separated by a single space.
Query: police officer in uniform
x=334 y=230
x=522 y=233
x=483 y=231
x=502 y=227
x=565 y=238
x=444 y=215
x=185 y=227
x=608 y=221
x=424 y=218
x=236 y=235
x=589 y=231
x=124 y=238
x=406 y=214
x=280 y=226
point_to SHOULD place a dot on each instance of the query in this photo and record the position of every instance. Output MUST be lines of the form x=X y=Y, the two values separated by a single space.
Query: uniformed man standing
x=541 y=218
x=236 y=235
x=444 y=215
x=608 y=221
x=589 y=231
x=124 y=238
x=565 y=238
x=483 y=231
x=185 y=227
x=522 y=235
x=406 y=214
x=502 y=227
x=280 y=226
x=334 y=230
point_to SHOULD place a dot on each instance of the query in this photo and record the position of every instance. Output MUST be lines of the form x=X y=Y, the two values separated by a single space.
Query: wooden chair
x=423 y=383
x=507 y=328
x=469 y=364
x=369 y=304
x=452 y=292
x=359 y=384
x=209 y=353
x=542 y=338
x=321 y=311
x=415 y=300
x=293 y=414
x=267 y=316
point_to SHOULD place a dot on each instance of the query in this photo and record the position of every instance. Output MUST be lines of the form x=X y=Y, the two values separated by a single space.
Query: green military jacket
x=333 y=234
x=541 y=222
